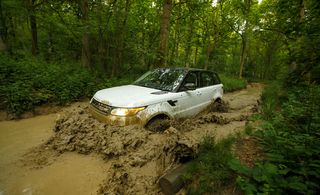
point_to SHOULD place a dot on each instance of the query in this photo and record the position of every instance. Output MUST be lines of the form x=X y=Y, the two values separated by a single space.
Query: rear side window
x=208 y=79
x=216 y=79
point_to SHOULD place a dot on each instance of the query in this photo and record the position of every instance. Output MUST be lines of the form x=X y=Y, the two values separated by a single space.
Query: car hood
x=130 y=96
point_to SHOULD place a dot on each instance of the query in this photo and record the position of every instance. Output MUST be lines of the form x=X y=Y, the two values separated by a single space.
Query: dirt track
x=133 y=158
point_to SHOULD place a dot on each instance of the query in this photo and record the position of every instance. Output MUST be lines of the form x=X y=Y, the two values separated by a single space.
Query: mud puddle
x=132 y=158
x=69 y=173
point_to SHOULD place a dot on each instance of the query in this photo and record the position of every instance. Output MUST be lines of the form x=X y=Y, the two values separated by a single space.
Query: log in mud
x=131 y=159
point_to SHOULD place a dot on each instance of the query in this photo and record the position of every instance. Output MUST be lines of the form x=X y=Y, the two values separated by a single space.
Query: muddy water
x=71 y=173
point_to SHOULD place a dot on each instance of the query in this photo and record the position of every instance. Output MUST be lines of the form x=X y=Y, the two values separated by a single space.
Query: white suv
x=164 y=93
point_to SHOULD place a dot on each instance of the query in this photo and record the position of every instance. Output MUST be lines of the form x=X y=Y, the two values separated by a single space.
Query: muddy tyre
x=219 y=106
x=158 y=124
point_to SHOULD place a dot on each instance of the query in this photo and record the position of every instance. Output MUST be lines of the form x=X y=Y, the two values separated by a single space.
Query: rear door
x=189 y=101
x=210 y=88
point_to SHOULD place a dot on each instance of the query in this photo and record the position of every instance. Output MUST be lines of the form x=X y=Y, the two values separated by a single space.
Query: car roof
x=186 y=69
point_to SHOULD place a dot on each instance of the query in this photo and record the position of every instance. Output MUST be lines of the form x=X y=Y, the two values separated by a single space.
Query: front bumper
x=111 y=119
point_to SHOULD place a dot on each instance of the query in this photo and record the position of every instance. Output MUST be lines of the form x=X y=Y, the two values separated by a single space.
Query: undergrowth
x=232 y=84
x=210 y=171
x=25 y=84
x=291 y=141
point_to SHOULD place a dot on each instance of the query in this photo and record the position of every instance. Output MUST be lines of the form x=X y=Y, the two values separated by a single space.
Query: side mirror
x=190 y=86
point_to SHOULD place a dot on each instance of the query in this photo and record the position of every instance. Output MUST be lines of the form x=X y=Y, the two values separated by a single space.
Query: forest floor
x=70 y=152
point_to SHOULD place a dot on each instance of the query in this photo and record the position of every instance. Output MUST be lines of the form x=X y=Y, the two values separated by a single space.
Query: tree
x=85 y=56
x=33 y=26
x=240 y=23
x=3 y=31
x=164 y=32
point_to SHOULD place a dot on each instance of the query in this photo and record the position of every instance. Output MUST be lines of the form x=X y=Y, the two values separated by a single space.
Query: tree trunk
x=33 y=27
x=142 y=43
x=270 y=50
x=50 y=44
x=244 y=37
x=121 y=31
x=3 y=46
x=302 y=10
x=3 y=31
x=11 y=34
x=175 y=50
x=85 y=55
x=210 y=47
x=189 y=40
x=195 y=56
x=243 y=55
x=164 y=32
x=101 y=41
x=207 y=44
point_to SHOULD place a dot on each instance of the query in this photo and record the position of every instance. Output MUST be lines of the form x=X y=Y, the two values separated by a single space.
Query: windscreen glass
x=162 y=79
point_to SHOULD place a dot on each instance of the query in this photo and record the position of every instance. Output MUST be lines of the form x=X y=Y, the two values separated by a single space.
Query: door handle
x=198 y=93
x=172 y=102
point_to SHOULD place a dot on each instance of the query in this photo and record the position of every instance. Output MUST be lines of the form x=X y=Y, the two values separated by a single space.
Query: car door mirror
x=190 y=86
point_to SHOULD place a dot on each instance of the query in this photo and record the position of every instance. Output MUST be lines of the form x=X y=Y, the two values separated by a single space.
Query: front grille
x=101 y=106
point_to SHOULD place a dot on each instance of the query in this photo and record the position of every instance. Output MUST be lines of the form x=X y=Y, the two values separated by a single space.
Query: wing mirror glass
x=190 y=86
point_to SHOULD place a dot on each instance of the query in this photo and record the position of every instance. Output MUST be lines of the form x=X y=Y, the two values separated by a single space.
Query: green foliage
x=29 y=83
x=124 y=35
x=248 y=129
x=300 y=21
x=232 y=84
x=271 y=97
x=210 y=170
x=292 y=148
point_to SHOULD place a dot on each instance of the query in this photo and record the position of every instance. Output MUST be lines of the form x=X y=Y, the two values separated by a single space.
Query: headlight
x=126 y=111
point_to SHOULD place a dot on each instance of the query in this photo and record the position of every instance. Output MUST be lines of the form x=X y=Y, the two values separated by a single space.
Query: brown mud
x=69 y=173
x=46 y=109
x=135 y=158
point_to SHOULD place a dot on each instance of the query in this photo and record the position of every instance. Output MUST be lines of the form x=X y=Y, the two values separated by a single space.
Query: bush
x=272 y=96
x=232 y=84
x=29 y=83
x=210 y=170
x=291 y=141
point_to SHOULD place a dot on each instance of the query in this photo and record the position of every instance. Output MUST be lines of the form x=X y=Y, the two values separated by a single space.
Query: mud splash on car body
x=141 y=118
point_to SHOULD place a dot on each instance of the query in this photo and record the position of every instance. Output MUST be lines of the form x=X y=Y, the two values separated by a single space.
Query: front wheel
x=158 y=124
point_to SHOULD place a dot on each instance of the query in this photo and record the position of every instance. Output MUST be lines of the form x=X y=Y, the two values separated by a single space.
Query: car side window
x=206 y=79
x=216 y=79
x=190 y=78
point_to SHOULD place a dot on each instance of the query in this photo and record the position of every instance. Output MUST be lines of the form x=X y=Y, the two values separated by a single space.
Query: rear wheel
x=217 y=106
x=158 y=124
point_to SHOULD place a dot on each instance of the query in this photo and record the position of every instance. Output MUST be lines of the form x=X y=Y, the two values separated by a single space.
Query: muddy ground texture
x=140 y=157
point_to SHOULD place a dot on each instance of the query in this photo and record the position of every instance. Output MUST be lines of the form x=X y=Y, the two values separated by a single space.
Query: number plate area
x=101 y=106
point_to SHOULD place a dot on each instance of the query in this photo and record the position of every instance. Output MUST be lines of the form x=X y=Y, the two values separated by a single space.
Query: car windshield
x=163 y=79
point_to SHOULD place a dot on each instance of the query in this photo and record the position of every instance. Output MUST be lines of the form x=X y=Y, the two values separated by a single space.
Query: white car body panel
x=131 y=96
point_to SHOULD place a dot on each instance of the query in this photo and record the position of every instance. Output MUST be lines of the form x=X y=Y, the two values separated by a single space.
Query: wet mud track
x=133 y=159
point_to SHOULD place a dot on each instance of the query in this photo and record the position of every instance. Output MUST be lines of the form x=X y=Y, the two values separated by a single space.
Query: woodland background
x=57 y=51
